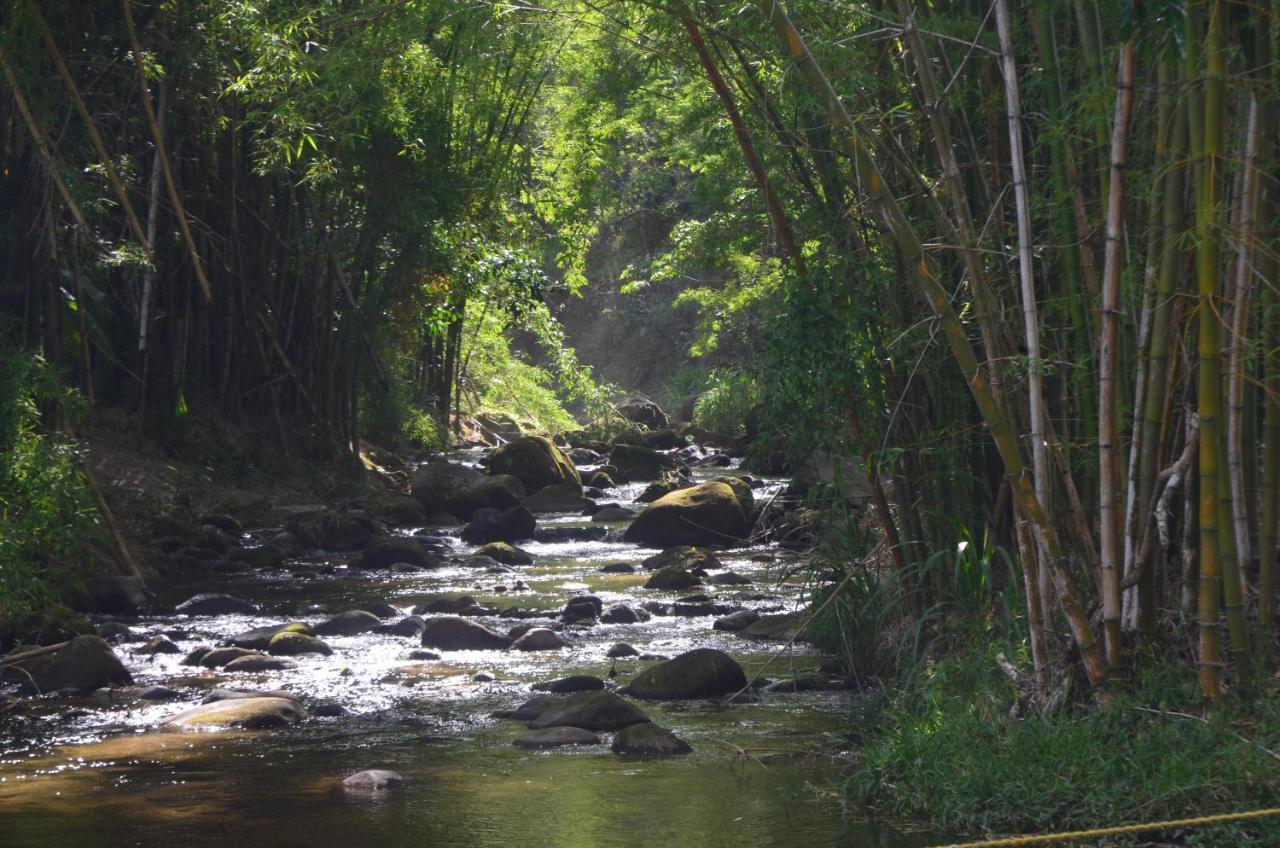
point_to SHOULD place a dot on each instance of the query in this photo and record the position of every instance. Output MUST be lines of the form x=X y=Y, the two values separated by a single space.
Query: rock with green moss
x=742 y=491
x=709 y=513
x=687 y=556
x=778 y=628
x=460 y=491
x=259 y=638
x=290 y=644
x=701 y=673
x=536 y=462
x=648 y=740
x=505 y=553
x=590 y=711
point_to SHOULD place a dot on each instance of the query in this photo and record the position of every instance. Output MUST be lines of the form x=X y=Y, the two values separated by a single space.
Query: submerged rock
x=701 y=673
x=556 y=737
x=372 y=781
x=590 y=711
x=648 y=740
x=248 y=713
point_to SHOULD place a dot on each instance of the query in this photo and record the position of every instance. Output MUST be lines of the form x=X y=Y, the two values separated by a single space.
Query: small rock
x=573 y=683
x=618 y=568
x=505 y=553
x=620 y=614
x=218 y=657
x=423 y=655
x=483 y=677
x=672 y=577
x=158 y=693
x=411 y=626
x=372 y=781
x=289 y=644
x=347 y=623
x=736 y=621
x=539 y=639
x=158 y=645
x=620 y=650
x=259 y=662
x=451 y=633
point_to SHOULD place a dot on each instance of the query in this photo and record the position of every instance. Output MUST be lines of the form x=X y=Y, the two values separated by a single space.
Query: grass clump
x=947 y=752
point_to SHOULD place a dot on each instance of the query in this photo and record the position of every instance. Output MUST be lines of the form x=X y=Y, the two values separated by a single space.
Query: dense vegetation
x=1017 y=261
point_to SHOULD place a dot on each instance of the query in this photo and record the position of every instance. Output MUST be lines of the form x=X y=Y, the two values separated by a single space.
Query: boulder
x=621 y=650
x=728 y=578
x=582 y=606
x=640 y=410
x=254 y=713
x=599 y=479
x=510 y=525
x=536 y=462
x=214 y=604
x=620 y=614
x=684 y=555
x=673 y=577
x=158 y=645
x=539 y=639
x=347 y=623
x=259 y=638
x=259 y=662
x=116 y=595
x=460 y=491
x=410 y=625
x=331 y=531
x=218 y=657
x=709 y=513
x=701 y=673
x=560 y=497
x=573 y=683
x=532 y=708
x=505 y=553
x=398 y=510
x=556 y=737
x=736 y=621
x=664 y=439
x=780 y=628
x=637 y=464
x=292 y=644
x=618 y=568
x=613 y=512
x=386 y=551
x=590 y=711
x=648 y=740
x=372 y=782
x=84 y=663
x=451 y=633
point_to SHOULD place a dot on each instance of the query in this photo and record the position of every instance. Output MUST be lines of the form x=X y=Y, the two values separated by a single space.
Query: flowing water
x=96 y=772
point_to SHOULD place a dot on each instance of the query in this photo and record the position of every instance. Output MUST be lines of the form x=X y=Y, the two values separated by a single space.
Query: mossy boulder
x=701 y=673
x=259 y=638
x=637 y=464
x=673 y=577
x=778 y=628
x=505 y=553
x=648 y=740
x=709 y=513
x=536 y=462
x=742 y=491
x=290 y=644
x=687 y=556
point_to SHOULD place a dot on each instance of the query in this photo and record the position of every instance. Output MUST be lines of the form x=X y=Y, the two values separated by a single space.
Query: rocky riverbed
x=503 y=652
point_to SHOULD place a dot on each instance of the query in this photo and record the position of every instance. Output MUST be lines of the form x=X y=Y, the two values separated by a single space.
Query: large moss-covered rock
x=536 y=462
x=460 y=491
x=701 y=673
x=247 y=713
x=709 y=513
x=451 y=633
x=636 y=464
x=590 y=711
x=84 y=663
x=742 y=491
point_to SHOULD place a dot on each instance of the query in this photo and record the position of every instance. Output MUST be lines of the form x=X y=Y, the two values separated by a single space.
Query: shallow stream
x=97 y=773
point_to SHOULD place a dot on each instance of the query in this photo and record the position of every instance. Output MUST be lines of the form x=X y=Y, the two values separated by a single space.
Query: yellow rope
x=1071 y=836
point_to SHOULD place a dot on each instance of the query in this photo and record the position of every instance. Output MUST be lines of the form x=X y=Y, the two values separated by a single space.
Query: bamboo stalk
x=872 y=182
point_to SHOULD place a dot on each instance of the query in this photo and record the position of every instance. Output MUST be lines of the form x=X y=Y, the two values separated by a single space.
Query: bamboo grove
x=1019 y=259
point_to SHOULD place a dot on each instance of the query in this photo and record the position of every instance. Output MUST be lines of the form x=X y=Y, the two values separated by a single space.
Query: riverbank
x=947 y=753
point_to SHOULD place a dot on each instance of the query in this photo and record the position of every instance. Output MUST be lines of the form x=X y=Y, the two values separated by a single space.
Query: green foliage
x=725 y=404
x=947 y=752
x=47 y=514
